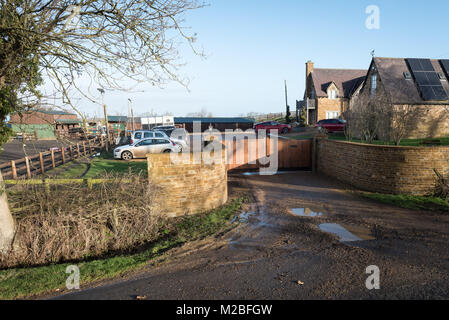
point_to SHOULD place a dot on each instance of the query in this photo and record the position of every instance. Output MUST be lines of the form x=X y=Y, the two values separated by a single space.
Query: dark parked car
x=273 y=125
x=331 y=125
x=167 y=129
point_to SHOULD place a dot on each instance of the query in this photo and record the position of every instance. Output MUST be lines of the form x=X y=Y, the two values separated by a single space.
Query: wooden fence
x=40 y=163
x=291 y=154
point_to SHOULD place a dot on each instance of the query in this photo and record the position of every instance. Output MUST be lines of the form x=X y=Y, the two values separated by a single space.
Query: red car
x=331 y=125
x=273 y=125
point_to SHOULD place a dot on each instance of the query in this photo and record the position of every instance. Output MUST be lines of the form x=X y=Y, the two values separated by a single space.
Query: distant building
x=328 y=91
x=44 y=124
x=151 y=122
x=117 y=124
x=220 y=124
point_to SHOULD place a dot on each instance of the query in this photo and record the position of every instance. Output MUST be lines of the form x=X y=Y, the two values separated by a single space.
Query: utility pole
x=287 y=108
x=130 y=107
x=105 y=118
x=286 y=99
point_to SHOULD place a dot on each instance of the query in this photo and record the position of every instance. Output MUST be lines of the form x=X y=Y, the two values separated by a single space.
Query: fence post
x=41 y=158
x=90 y=146
x=63 y=155
x=71 y=152
x=53 y=159
x=78 y=150
x=27 y=163
x=13 y=169
x=101 y=142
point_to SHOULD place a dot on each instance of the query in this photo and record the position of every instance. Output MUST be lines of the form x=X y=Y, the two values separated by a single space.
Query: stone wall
x=384 y=169
x=187 y=188
x=431 y=121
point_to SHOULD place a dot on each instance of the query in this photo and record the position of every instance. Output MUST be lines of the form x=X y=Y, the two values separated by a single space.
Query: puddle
x=347 y=233
x=243 y=217
x=306 y=212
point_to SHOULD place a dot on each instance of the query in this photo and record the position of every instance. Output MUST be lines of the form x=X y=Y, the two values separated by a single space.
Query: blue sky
x=252 y=46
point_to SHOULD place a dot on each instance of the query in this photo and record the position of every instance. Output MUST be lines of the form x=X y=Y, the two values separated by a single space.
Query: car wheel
x=126 y=155
x=285 y=131
x=168 y=151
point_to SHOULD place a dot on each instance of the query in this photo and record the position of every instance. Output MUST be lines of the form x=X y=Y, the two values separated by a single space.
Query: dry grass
x=74 y=222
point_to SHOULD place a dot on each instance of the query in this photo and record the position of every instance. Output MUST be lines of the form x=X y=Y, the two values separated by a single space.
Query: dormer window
x=332 y=94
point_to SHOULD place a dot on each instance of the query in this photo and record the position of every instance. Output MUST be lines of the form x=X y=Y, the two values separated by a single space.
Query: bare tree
x=203 y=113
x=101 y=42
x=377 y=117
x=69 y=43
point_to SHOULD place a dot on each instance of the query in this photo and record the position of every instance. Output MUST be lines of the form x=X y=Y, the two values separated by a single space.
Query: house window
x=332 y=94
x=332 y=114
x=373 y=84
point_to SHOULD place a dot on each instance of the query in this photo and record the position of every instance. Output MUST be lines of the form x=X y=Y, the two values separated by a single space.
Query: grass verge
x=99 y=167
x=409 y=202
x=24 y=282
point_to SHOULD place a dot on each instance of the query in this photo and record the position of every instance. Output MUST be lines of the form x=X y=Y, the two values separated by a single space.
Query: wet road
x=275 y=254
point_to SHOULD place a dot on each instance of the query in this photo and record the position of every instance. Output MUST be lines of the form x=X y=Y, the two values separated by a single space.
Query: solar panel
x=417 y=65
x=427 y=79
x=445 y=65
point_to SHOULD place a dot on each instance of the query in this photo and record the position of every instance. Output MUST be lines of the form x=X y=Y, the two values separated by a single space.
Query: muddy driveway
x=284 y=248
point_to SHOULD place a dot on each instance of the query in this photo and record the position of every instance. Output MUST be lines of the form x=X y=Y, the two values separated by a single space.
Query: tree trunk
x=7 y=224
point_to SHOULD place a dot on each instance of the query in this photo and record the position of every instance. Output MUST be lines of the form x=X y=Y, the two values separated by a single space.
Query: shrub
x=73 y=222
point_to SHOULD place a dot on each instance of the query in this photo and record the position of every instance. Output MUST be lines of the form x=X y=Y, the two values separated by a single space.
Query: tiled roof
x=346 y=80
x=55 y=112
x=391 y=73
x=213 y=120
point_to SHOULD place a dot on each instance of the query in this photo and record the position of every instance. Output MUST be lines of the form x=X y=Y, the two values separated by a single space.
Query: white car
x=141 y=148
x=143 y=134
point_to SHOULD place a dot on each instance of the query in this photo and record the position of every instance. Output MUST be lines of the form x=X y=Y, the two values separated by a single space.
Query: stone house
x=420 y=85
x=328 y=91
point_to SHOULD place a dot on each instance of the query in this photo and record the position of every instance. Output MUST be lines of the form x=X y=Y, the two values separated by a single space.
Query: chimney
x=309 y=68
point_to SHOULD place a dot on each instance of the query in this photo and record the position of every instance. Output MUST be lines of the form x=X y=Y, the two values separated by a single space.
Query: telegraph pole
x=286 y=99
x=287 y=108
x=130 y=107
x=105 y=118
